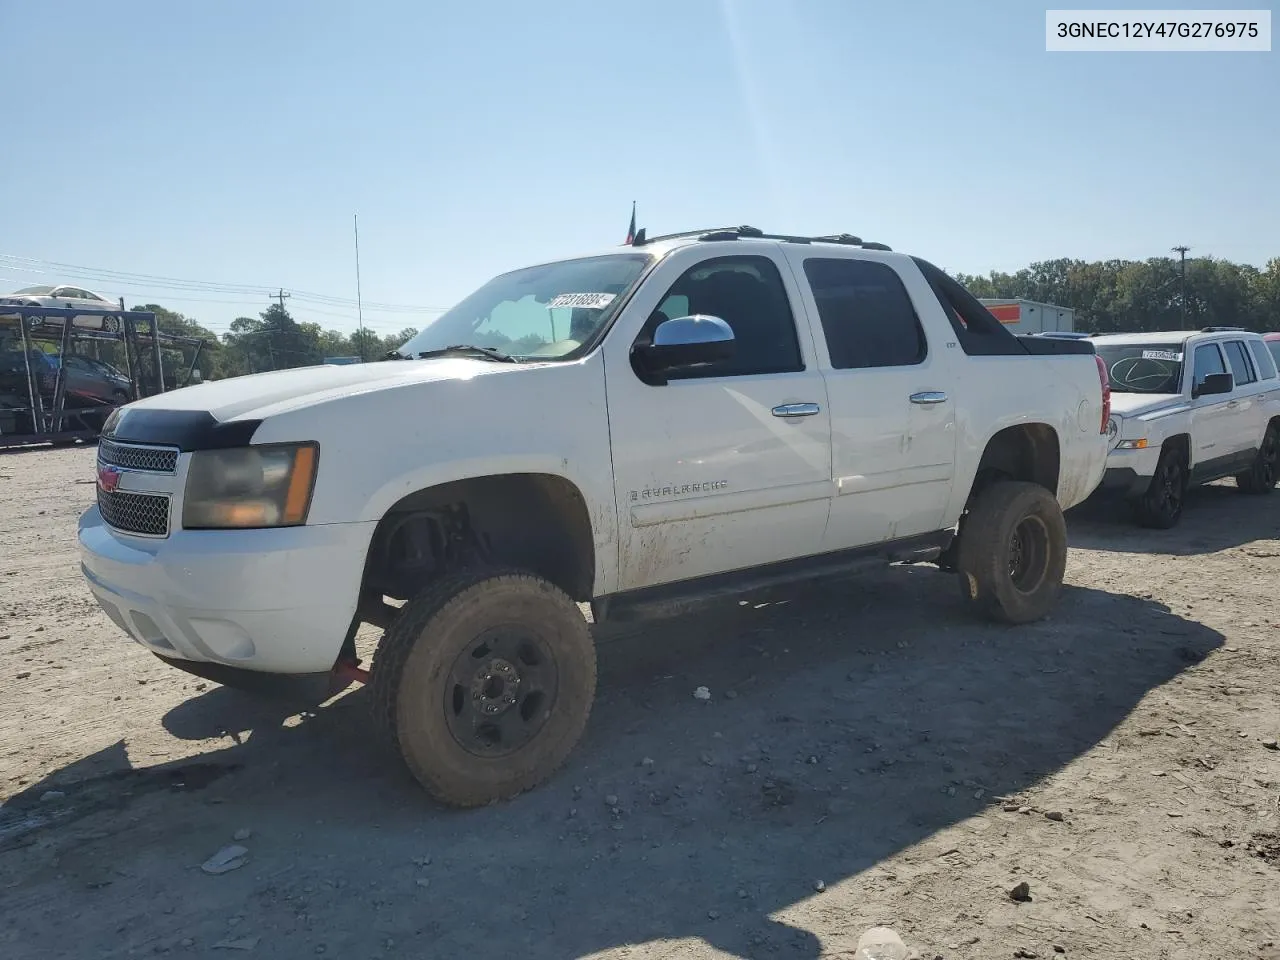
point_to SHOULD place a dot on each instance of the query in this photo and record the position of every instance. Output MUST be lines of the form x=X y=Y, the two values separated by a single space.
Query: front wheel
x=1160 y=507
x=1262 y=474
x=1012 y=553
x=484 y=683
x=111 y=324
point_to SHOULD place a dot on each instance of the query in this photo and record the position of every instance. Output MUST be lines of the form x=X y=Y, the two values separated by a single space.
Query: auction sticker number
x=589 y=301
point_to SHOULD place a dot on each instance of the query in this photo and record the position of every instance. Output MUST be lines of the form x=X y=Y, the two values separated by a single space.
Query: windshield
x=35 y=291
x=1143 y=367
x=540 y=313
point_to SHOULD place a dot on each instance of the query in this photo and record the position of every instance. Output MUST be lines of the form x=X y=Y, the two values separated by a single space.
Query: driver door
x=727 y=466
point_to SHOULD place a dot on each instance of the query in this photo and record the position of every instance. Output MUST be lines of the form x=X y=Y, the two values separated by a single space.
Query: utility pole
x=1182 y=267
x=355 y=222
x=281 y=297
x=271 y=331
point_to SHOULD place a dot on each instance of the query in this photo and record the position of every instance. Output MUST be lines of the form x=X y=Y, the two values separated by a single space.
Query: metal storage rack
x=55 y=422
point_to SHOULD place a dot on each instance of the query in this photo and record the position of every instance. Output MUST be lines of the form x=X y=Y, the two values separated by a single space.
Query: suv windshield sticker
x=1162 y=355
x=590 y=301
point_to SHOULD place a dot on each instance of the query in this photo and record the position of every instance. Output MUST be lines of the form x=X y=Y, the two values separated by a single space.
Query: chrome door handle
x=928 y=397
x=791 y=410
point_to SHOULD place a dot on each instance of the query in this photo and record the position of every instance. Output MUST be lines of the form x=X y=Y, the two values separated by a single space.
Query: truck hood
x=1140 y=404
x=261 y=394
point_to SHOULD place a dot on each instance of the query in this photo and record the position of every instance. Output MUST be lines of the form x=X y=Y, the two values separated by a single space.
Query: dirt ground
x=868 y=755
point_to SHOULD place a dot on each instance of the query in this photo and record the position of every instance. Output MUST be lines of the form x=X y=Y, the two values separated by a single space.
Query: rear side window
x=867 y=317
x=1208 y=361
x=1263 y=360
x=1241 y=367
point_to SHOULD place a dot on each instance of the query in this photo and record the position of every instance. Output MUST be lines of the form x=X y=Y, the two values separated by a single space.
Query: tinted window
x=867 y=317
x=746 y=293
x=1208 y=361
x=1262 y=359
x=1241 y=368
x=1274 y=347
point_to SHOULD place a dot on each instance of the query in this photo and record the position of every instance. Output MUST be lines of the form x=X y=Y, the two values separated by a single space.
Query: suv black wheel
x=1262 y=474
x=1161 y=506
x=484 y=683
x=1013 y=552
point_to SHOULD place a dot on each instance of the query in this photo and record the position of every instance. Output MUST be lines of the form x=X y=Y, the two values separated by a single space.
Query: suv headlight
x=243 y=487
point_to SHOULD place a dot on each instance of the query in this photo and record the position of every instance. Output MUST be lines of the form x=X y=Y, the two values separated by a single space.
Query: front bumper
x=1129 y=472
x=272 y=601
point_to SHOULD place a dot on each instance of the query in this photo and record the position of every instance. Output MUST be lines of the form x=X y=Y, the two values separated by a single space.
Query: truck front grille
x=145 y=513
x=132 y=457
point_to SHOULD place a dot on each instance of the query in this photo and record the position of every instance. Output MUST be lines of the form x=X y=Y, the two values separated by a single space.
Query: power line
x=157 y=281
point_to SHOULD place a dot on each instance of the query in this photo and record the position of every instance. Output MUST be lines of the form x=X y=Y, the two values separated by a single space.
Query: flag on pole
x=631 y=230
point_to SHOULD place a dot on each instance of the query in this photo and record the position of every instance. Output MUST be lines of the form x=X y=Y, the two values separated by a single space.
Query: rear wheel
x=1160 y=507
x=1262 y=474
x=1013 y=552
x=484 y=684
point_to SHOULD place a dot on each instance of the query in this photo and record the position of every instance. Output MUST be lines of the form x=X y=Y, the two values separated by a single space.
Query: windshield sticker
x=1162 y=355
x=588 y=301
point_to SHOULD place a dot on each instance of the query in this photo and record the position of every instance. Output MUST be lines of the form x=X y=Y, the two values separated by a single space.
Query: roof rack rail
x=1223 y=330
x=755 y=233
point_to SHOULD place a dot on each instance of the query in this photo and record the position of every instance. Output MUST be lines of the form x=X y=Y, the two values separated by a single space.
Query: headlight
x=1140 y=444
x=266 y=486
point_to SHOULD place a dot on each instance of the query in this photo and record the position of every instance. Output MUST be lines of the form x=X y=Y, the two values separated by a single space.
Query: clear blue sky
x=231 y=142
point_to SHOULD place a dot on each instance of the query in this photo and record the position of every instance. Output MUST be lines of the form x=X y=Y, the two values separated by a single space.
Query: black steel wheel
x=484 y=683
x=1262 y=475
x=1160 y=507
x=1012 y=552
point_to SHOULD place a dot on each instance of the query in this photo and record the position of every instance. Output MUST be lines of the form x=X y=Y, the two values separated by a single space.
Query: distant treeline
x=1112 y=296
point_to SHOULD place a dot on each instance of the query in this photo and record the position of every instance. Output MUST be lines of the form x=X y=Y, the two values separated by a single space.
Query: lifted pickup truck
x=666 y=422
x=1189 y=407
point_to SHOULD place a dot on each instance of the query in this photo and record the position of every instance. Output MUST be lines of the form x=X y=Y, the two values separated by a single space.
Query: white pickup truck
x=1188 y=407
x=665 y=422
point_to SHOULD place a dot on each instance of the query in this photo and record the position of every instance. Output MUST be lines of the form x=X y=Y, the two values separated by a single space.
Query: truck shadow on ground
x=1215 y=517
x=847 y=722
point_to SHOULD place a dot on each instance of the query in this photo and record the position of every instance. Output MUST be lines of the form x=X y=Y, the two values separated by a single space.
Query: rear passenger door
x=1249 y=416
x=892 y=419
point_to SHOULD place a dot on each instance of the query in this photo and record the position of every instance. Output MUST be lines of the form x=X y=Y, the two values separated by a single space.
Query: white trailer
x=1030 y=316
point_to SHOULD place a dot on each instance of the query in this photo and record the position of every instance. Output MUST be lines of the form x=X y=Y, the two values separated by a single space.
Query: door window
x=747 y=293
x=1241 y=368
x=1208 y=360
x=1262 y=359
x=867 y=317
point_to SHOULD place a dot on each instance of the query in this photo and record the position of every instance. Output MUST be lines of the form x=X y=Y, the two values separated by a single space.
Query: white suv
x=1189 y=408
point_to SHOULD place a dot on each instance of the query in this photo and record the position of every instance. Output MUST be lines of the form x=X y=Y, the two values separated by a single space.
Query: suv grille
x=154 y=459
x=146 y=513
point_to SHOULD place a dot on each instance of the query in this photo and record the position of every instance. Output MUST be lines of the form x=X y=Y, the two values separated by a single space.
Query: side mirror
x=681 y=344
x=1214 y=383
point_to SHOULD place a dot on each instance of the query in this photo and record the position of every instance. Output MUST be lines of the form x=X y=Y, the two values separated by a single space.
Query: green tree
x=1129 y=295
